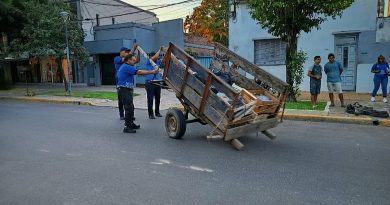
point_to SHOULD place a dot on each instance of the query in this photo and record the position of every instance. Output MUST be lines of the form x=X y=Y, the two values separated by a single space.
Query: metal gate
x=345 y=51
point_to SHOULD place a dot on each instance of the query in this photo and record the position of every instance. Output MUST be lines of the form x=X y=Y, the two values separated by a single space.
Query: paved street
x=70 y=154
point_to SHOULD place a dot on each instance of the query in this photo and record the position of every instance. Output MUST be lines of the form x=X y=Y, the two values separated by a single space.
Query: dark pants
x=120 y=104
x=127 y=99
x=153 y=91
x=380 y=80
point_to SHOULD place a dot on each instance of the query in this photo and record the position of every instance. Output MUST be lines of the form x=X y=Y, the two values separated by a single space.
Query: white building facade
x=356 y=39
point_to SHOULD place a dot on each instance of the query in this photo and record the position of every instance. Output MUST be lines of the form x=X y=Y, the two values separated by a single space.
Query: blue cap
x=124 y=49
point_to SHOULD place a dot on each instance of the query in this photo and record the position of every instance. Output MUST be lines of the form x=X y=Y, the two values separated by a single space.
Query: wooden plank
x=172 y=77
x=154 y=65
x=210 y=114
x=198 y=86
x=237 y=144
x=167 y=60
x=202 y=73
x=257 y=126
x=195 y=98
x=239 y=79
x=247 y=66
x=178 y=68
x=216 y=101
x=186 y=73
x=205 y=93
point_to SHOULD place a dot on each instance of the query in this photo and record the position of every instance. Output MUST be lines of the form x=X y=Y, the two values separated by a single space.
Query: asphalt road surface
x=69 y=154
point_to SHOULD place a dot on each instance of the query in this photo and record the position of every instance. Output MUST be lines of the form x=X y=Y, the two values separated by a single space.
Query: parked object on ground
x=210 y=100
x=358 y=109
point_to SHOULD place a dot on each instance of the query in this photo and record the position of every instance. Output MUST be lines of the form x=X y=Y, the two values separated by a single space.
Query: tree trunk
x=59 y=63
x=291 y=50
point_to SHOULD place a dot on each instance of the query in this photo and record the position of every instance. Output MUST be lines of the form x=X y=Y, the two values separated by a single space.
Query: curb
x=341 y=119
x=30 y=99
x=287 y=116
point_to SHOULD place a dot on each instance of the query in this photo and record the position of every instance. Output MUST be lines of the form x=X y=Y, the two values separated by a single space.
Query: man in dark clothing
x=118 y=61
x=152 y=89
x=315 y=74
x=126 y=85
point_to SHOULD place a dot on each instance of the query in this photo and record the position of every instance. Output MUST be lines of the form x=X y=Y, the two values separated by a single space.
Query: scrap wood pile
x=259 y=97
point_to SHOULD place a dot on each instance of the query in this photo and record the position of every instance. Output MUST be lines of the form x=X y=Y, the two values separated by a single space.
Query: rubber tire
x=175 y=123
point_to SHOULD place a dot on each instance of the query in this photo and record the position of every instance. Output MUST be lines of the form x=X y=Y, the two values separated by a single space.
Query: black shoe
x=129 y=130
x=122 y=118
x=158 y=115
x=134 y=126
x=151 y=117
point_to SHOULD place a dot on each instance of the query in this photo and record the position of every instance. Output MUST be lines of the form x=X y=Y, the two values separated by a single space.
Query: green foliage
x=43 y=33
x=11 y=16
x=295 y=63
x=209 y=20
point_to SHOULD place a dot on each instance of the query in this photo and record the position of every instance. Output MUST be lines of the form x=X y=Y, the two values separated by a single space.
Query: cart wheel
x=175 y=123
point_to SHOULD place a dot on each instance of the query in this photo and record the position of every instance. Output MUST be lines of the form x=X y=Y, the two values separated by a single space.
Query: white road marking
x=200 y=169
x=74 y=154
x=43 y=150
x=191 y=167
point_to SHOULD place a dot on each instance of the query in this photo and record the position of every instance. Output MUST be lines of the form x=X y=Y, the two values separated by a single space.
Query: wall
x=169 y=31
x=383 y=29
x=360 y=18
x=89 y=11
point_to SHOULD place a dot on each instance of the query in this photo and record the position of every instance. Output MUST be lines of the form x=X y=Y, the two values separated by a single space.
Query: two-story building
x=356 y=38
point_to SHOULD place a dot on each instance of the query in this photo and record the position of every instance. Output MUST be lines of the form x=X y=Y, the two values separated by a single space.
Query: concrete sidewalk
x=168 y=99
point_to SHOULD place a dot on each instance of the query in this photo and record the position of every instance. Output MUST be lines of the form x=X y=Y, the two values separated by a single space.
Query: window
x=270 y=52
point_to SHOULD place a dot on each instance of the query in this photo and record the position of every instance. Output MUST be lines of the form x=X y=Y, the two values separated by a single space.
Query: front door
x=345 y=51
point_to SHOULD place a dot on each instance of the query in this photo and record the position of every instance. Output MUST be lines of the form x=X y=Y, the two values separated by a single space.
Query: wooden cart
x=232 y=113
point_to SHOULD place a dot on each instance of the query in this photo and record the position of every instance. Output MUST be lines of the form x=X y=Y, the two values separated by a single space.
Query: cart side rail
x=266 y=80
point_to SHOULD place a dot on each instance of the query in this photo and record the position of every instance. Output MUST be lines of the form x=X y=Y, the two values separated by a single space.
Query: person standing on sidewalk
x=315 y=74
x=152 y=89
x=126 y=85
x=333 y=72
x=118 y=61
x=381 y=70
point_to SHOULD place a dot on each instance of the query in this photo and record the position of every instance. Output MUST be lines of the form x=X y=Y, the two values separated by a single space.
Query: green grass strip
x=87 y=94
x=305 y=105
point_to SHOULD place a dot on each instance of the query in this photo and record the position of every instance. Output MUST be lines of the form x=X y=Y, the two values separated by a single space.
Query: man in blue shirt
x=126 y=84
x=118 y=61
x=333 y=71
x=152 y=89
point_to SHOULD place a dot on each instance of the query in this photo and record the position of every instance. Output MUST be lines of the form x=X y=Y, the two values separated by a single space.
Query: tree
x=209 y=20
x=43 y=33
x=288 y=18
x=11 y=16
x=11 y=21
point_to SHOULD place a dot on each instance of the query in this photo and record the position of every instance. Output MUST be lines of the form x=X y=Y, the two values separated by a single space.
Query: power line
x=140 y=11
